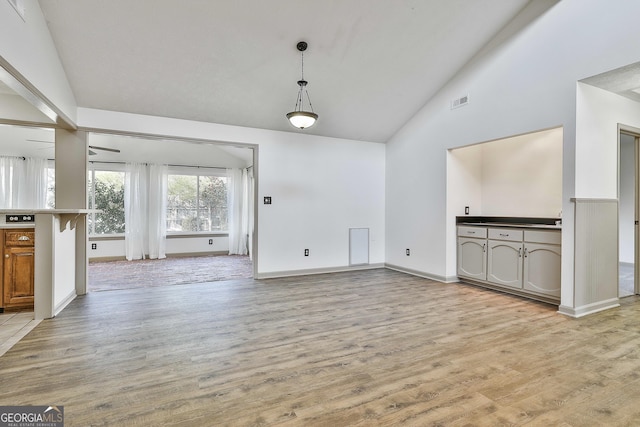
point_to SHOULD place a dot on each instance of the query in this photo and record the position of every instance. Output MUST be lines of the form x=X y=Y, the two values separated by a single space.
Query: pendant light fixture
x=299 y=117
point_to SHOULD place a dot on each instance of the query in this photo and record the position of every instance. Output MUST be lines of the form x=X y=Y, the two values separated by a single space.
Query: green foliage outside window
x=108 y=196
x=196 y=203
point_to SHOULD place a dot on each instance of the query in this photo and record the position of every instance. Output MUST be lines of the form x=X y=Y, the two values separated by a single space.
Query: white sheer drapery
x=145 y=207
x=239 y=202
x=248 y=210
x=23 y=183
x=157 y=211
x=135 y=210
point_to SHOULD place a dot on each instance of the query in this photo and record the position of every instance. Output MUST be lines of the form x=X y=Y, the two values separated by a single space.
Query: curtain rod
x=175 y=166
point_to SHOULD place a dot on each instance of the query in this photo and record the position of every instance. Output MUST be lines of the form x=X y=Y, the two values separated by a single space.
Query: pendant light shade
x=300 y=118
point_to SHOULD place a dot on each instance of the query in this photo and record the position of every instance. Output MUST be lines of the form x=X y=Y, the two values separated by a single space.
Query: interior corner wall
x=319 y=187
x=525 y=80
x=28 y=47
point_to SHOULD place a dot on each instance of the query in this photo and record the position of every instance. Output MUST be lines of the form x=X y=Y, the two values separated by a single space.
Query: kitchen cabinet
x=542 y=260
x=472 y=252
x=18 y=268
x=505 y=257
x=522 y=261
x=505 y=263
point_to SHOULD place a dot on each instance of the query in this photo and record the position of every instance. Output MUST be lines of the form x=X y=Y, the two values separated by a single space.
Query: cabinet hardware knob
x=23 y=238
x=6 y=255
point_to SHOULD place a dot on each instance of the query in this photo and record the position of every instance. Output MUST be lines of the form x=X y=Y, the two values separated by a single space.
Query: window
x=51 y=185
x=106 y=192
x=196 y=202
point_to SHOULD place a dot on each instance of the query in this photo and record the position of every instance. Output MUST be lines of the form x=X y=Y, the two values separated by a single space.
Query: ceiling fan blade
x=95 y=147
x=92 y=153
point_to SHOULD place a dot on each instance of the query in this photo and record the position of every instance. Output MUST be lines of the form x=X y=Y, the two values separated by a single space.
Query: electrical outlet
x=408 y=252
x=94 y=246
x=211 y=241
x=267 y=200
x=466 y=210
x=306 y=252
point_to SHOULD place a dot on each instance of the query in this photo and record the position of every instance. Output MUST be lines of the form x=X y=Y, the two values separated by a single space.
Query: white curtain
x=157 y=211
x=247 y=211
x=23 y=183
x=135 y=210
x=145 y=211
x=235 y=205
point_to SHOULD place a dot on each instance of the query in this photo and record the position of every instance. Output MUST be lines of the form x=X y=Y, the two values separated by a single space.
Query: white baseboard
x=589 y=308
x=291 y=273
x=436 y=277
x=64 y=303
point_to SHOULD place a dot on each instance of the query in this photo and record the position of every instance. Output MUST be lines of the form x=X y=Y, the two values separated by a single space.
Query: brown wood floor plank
x=362 y=348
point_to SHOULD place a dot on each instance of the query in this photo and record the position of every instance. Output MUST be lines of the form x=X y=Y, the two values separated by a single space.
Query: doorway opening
x=628 y=187
x=193 y=203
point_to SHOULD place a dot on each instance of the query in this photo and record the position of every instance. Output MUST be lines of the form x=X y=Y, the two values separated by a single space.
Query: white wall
x=464 y=180
x=320 y=187
x=627 y=198
x=524 y=80
x=517 y=176
x=598 y=114
x=115 y=248
x=28 y=47
x=522 y=176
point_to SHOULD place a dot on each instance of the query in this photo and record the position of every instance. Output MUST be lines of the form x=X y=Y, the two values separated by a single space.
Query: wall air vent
x=18 y=5
x=457 y=103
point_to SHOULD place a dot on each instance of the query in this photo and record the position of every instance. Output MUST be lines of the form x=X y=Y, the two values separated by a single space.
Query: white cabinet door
x=472 y=258
x=542 y=268
x=505 y=263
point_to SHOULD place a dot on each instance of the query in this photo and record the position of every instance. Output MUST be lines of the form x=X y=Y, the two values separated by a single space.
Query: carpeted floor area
x=104 y=276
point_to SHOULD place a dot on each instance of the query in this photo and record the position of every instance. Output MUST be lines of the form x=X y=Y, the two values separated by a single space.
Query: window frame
x=198 y=171
x=91 y=201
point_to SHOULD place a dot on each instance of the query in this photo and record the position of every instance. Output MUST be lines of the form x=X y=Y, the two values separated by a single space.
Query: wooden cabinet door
x=18 y=276
x=472 y=258
x=542 y=268
x=505 y=263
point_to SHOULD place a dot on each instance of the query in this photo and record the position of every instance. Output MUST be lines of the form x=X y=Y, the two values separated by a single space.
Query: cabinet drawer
x=505 y=234
x=538 y=236
x=19 y=238
x=477 y=232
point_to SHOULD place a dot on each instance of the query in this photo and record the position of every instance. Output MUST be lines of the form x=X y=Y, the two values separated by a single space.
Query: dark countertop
x=511 y=222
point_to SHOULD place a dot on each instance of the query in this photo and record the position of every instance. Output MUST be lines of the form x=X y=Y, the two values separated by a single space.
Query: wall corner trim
x=589 y=308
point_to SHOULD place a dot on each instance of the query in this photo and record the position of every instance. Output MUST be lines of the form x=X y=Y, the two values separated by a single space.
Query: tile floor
x=14 y=326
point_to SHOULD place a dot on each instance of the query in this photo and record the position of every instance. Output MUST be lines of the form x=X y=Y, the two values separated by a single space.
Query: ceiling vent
x=18 y=5
x=457 y=103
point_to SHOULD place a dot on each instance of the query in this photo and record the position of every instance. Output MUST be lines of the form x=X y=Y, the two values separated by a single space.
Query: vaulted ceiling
x=371 y=64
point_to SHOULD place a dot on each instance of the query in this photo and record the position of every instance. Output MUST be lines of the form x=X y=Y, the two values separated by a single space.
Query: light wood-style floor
x=370 y=348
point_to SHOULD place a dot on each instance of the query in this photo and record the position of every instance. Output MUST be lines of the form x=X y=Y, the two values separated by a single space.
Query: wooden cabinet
x=522 y=261
x=18 y=268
